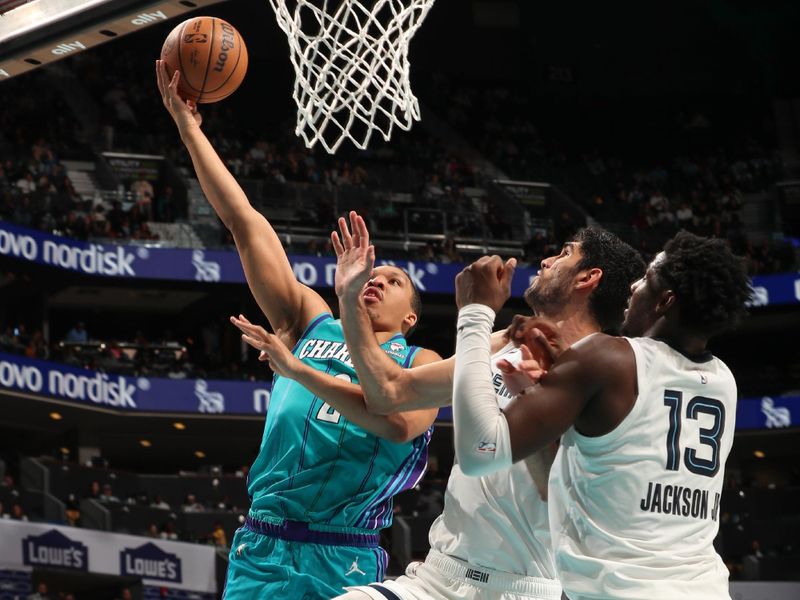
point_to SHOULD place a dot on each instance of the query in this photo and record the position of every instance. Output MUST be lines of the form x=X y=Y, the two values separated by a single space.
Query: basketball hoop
x=351 y=66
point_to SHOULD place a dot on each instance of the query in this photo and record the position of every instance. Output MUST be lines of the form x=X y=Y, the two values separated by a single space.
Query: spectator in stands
x=37 y=347
x=191 y=504
x=108 y=496
x=158 y=502
x=168 y=531
x=94 y=491
x=17 y=513
x=450 y=253
x=40 y=593
x=99 y=226
x=218 y=535
x=72 y=511
x=77 y=334
x=125 y=594
x=3 y=513
x=152 y=531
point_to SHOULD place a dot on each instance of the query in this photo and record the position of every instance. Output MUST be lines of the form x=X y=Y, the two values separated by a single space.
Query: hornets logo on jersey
x=316 y=466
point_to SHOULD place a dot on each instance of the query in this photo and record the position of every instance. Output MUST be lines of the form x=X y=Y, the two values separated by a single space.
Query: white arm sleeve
x=480 y=428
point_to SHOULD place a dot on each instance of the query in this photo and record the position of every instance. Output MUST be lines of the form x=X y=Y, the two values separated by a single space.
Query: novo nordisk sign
x=223 y=266
x=151 y=394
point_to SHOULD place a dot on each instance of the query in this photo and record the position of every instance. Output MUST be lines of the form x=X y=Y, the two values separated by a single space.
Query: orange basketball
x=211 y=56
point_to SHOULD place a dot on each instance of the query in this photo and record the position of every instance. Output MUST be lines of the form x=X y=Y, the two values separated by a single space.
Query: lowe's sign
x=223 y=266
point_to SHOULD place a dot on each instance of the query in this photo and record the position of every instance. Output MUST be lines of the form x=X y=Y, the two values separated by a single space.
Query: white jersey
x=634 y=513
x=497 y=521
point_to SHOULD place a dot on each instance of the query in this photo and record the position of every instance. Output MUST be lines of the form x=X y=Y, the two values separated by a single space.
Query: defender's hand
x=486 y=281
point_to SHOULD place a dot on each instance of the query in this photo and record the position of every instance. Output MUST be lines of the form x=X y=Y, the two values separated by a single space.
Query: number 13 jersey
x=634 y=513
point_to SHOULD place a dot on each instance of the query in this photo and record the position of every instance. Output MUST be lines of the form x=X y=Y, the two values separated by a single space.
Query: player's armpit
x=288 y=305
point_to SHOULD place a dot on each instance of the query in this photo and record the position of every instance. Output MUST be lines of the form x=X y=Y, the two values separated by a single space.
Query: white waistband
x=538 y=587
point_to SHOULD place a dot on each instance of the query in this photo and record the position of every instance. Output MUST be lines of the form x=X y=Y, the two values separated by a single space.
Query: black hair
x=621 y=265
x=416 y=303
x=709 y=281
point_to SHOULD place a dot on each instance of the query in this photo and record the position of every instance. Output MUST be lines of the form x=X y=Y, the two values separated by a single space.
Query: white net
x=351 y=66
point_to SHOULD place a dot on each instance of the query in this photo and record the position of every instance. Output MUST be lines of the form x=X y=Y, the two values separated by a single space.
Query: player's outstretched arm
x=343 y=396
x=387 y=387
x=287 y=304
x=488 y=439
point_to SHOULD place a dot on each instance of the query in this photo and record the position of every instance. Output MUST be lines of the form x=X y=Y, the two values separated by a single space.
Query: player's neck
x=385 y=336
x=574 y=323
x=685 y=342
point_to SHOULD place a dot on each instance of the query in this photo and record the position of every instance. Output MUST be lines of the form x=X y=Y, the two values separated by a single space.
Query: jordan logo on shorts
x=354 y=569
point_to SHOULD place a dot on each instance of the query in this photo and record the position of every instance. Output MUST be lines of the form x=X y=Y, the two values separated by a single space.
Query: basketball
x=211 y=56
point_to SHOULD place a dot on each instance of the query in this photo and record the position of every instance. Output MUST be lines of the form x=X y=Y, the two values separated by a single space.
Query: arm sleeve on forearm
x=482 y=440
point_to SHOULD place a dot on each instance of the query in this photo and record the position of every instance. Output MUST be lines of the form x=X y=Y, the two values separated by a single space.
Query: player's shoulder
x=425 y=356
x=598 y=343
x=605 y=353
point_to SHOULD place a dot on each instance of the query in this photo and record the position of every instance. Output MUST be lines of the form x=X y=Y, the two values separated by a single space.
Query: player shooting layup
x=492 y=540
x=321 y=487
x=647 y=425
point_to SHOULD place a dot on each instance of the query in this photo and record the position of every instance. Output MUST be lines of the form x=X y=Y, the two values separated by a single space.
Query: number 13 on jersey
x=710 y=437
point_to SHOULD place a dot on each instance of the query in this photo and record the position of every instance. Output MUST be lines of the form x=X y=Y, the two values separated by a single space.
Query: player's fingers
x=505 y=366
x=363 y=232
x=263 y=356
x=539 y=336
x=353 y=216
x=257 y=344
x=337 y=245
x=508 y=271
x=347 y=239
x=370 y=258
x=526 y=352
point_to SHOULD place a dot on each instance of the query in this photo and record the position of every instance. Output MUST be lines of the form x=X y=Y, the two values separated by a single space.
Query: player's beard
x=549 y=297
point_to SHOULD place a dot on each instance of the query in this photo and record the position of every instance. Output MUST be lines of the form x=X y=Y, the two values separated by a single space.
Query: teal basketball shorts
x=297 y=561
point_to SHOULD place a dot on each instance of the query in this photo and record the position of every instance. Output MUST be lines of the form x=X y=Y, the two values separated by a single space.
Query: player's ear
x=410 y=320
x=667 y=300
x=589 y=278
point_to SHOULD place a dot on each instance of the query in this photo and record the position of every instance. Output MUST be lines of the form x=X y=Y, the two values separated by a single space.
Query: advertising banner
x=123 y=392
x=158 y=562
x=159 y=395
x=223 y=266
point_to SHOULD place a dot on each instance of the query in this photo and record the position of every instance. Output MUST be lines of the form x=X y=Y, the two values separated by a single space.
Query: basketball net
x=351 y=67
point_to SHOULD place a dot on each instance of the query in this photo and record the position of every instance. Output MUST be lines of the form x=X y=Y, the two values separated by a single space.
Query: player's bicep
x=542 y=414
x=287 y=304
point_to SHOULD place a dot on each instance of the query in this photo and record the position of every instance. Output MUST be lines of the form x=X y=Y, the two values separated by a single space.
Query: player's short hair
x=416 y=302
x=709 y=281
x=621 y=265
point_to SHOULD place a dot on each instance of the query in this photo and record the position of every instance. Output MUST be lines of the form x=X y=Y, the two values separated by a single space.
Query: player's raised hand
x=272 y=349
x=355 y=257
x=183 y=112
x=486 y=281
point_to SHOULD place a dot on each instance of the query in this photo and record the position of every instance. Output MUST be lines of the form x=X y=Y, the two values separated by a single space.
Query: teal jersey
x=316 y=466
